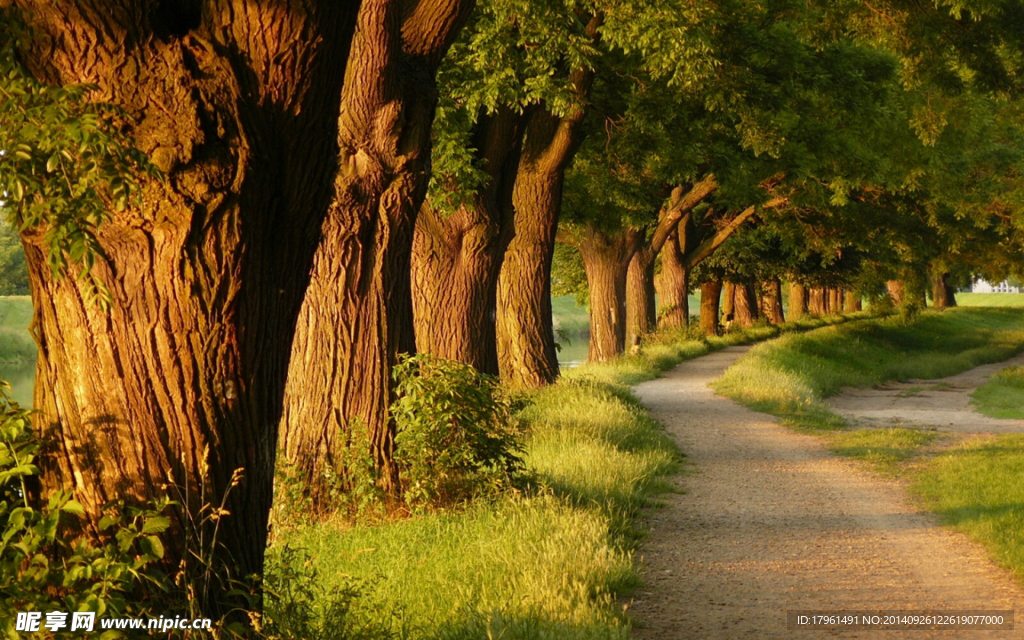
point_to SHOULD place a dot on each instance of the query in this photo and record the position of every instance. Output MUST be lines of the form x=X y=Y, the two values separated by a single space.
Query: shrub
x=39 y=569
x=455 y=436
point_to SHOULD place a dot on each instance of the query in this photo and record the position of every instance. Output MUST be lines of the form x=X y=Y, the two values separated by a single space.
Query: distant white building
x=982 y=286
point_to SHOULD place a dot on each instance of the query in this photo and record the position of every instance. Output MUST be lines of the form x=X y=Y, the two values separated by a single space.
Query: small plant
x=455 y=437
x=40 y=570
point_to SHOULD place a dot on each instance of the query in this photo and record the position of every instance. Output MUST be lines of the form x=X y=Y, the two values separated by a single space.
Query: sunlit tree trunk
x=526 y=342
x=852 y=303
x=745 y=305
x=835 y=300
x=797 y=301
x=728 y=302
x=641 y=317
x=771 y=302
x=182 y=380
x=710 y=293
x=673 y=284
x=606 y=258
x=357 y=314
x=457 y=257
x=896 y=292
x=816 y=302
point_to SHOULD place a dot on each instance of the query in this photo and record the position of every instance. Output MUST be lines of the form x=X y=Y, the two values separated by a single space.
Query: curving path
x=767 y=521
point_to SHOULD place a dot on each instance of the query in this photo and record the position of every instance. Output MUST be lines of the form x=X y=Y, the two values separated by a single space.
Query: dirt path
x=943 y=404
x=770 y=521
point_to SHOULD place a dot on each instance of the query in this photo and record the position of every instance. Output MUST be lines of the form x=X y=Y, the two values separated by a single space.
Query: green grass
x=976 y=488
x=990 y=299
x=1002 y=395
x=570 y=318
x=548 y=564
x=789 y=377
x=884 y=449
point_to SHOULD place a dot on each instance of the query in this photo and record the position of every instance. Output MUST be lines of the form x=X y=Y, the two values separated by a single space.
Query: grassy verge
x=1002 y=396
x=790 y=376
x=549 y=564
x=973 y=485
x=976 y=488
x=990 y=299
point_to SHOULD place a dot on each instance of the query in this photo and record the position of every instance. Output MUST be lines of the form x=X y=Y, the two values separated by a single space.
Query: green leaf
x=73 y=506
x=156 y=524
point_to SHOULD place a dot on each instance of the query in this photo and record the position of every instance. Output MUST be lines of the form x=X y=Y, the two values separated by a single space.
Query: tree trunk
x=673 y=285
x=771 y=302
x=526 y=340
x=183 y=378
x=728 y=302
x=943 y=295
x=456 y=258
x=357 y=314
x=835 y=300
x=852 y=304
x=710 y=292
x=606 y=260
x=896 y=292
x=745 y=305
x=816 y=302
x=797 y=301
x=641 y=317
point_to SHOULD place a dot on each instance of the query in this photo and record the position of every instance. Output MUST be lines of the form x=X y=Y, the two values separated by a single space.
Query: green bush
x=40 y=569
x=455 y=436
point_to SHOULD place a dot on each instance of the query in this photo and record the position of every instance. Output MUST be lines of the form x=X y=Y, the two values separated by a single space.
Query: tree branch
x=706 y=248
x=678 y=208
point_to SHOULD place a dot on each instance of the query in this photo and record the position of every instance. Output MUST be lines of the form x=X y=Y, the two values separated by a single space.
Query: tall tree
x=357 y=313
x=182 y=378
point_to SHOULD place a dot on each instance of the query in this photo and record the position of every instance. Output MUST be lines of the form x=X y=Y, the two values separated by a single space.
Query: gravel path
x=767 y=521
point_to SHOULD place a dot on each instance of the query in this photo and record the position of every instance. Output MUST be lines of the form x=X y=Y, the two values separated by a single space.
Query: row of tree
x=326 y=185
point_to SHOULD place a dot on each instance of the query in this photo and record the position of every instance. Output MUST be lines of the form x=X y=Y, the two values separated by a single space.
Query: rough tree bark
x=673 y=283
x=896 y=292
x=728 y=302
x=606 y=259
x=710 y=293
x=817 y=302
x=456 y=258
x=357 y=313
x=835 y=300
x=673 y=220
x=852 y=302
x=237 y=104
x=526 y=340
x=797 y=301
x=771 y=302
x=745 y=305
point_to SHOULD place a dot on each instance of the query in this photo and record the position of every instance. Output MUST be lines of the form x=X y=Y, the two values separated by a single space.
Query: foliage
x=13 y=271
x=65 y=162
x=298 y=607
x=46 y=562
x=455 y=437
